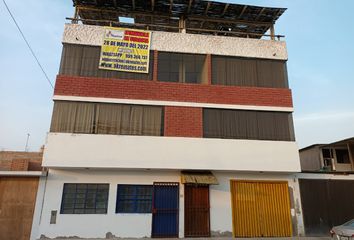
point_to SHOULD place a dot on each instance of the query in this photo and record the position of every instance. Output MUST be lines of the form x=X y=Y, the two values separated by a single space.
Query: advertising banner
x=125 y=50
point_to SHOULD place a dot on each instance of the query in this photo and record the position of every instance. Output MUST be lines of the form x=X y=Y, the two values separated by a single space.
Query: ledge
x=23 y=173
x=66 y=150
x=187 y=43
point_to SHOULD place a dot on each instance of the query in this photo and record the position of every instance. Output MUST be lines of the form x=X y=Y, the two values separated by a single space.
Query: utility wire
x=28 y=45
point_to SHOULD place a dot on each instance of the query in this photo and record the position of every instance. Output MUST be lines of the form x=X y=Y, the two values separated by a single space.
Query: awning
x=199 y=178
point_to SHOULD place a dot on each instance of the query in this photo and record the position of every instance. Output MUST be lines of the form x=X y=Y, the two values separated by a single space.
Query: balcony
x=65 y=150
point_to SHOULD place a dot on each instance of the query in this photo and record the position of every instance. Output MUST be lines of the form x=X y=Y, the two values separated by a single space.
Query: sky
x=319 y=36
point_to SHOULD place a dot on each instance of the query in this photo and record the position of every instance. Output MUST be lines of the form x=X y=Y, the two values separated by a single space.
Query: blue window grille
x=134 y=198
x=84 y=198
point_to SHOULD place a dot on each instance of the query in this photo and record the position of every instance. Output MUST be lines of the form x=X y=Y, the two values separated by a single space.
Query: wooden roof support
x=189 y=6
x=133 y=3
x=76 y=15
x=242 y=12
x=171 y=4
x=210 y=19
x=259 y=14
x=272 y=33
x=197 y=18
x=225 y=9
x=152 y=5
x=207 y=8
x=115 y=3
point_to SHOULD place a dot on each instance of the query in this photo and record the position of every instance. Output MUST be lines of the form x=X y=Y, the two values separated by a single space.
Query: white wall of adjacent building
x=141 y=152
x=138 y=225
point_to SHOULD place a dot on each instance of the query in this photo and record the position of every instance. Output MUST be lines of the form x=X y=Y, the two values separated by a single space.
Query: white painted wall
x=187 y=43
x=135 y=225
x=119 y=151
x=97 y=225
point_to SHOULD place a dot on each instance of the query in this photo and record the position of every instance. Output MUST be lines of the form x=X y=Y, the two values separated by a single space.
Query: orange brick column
x=183 y=122
x=156 y=58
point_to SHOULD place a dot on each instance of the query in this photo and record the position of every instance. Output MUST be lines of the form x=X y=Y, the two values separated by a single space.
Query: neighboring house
x=201 y=145
x=19 y=177
x=333 y=157
x=327 y=185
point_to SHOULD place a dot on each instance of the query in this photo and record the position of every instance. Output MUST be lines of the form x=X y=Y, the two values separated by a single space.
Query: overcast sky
x=319 y=36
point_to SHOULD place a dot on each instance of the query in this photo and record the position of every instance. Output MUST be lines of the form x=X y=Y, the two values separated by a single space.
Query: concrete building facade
x=201 y=145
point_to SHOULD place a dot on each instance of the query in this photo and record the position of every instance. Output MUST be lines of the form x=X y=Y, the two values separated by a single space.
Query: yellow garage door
x=260 y=209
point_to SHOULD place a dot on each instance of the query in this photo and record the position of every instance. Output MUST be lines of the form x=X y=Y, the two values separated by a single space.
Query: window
x=105 y=118
x=84 y=198
x=81 y=60
x=235 y=71
x=242 y=124
x=327 y=153
x=181 y=67
x=342 y=156
x=134 y=198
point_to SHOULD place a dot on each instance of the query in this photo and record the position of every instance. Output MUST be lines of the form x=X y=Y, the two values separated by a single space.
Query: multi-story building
x=202 y=144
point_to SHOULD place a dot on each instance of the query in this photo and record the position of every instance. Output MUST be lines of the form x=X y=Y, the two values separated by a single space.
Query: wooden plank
x=152 y=5
x=242 y=12
x=260 y=14
x=350 y=147
x=197 y=210
x=167 y=16
x=207 y=8
x=272 y=33
x=189 y=6
x=18 y=196
x=133 y=4
x=225 y=9
x=171 y=4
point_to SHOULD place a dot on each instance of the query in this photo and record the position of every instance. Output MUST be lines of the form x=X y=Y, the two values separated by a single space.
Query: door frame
x=154 y=210
x=185 y=210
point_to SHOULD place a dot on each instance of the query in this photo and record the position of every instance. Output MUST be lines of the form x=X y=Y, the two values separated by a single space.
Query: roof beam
x=230 y=21
x=152 y=5
x=189 y=6
x=259 y=14
x=242 y=12
x=171 y=4
x=133 y=3
x=225 y=9
x=115 y=3
x=161 y=15
x=207 y=8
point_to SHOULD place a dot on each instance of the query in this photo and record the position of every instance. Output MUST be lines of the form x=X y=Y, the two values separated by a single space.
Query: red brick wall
x=20 y=161
x=19 y=165
x=183 y=122
x=156 y=57
x=163 y=91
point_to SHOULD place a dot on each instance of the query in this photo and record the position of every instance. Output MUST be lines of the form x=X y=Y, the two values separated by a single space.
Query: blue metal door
x=165 y=205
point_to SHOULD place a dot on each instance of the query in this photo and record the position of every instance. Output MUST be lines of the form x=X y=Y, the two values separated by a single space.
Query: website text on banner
x=125 y=50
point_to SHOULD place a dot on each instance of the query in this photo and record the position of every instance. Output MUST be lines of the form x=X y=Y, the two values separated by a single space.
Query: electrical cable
x=28 y=45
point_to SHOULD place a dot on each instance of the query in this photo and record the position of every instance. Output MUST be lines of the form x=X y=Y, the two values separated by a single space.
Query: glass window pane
x=84 y=198
x=138 y=200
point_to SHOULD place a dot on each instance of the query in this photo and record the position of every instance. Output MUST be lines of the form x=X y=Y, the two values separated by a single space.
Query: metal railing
x=174 y=28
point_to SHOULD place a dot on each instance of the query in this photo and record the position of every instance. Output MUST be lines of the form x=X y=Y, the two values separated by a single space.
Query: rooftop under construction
x=190 y=16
